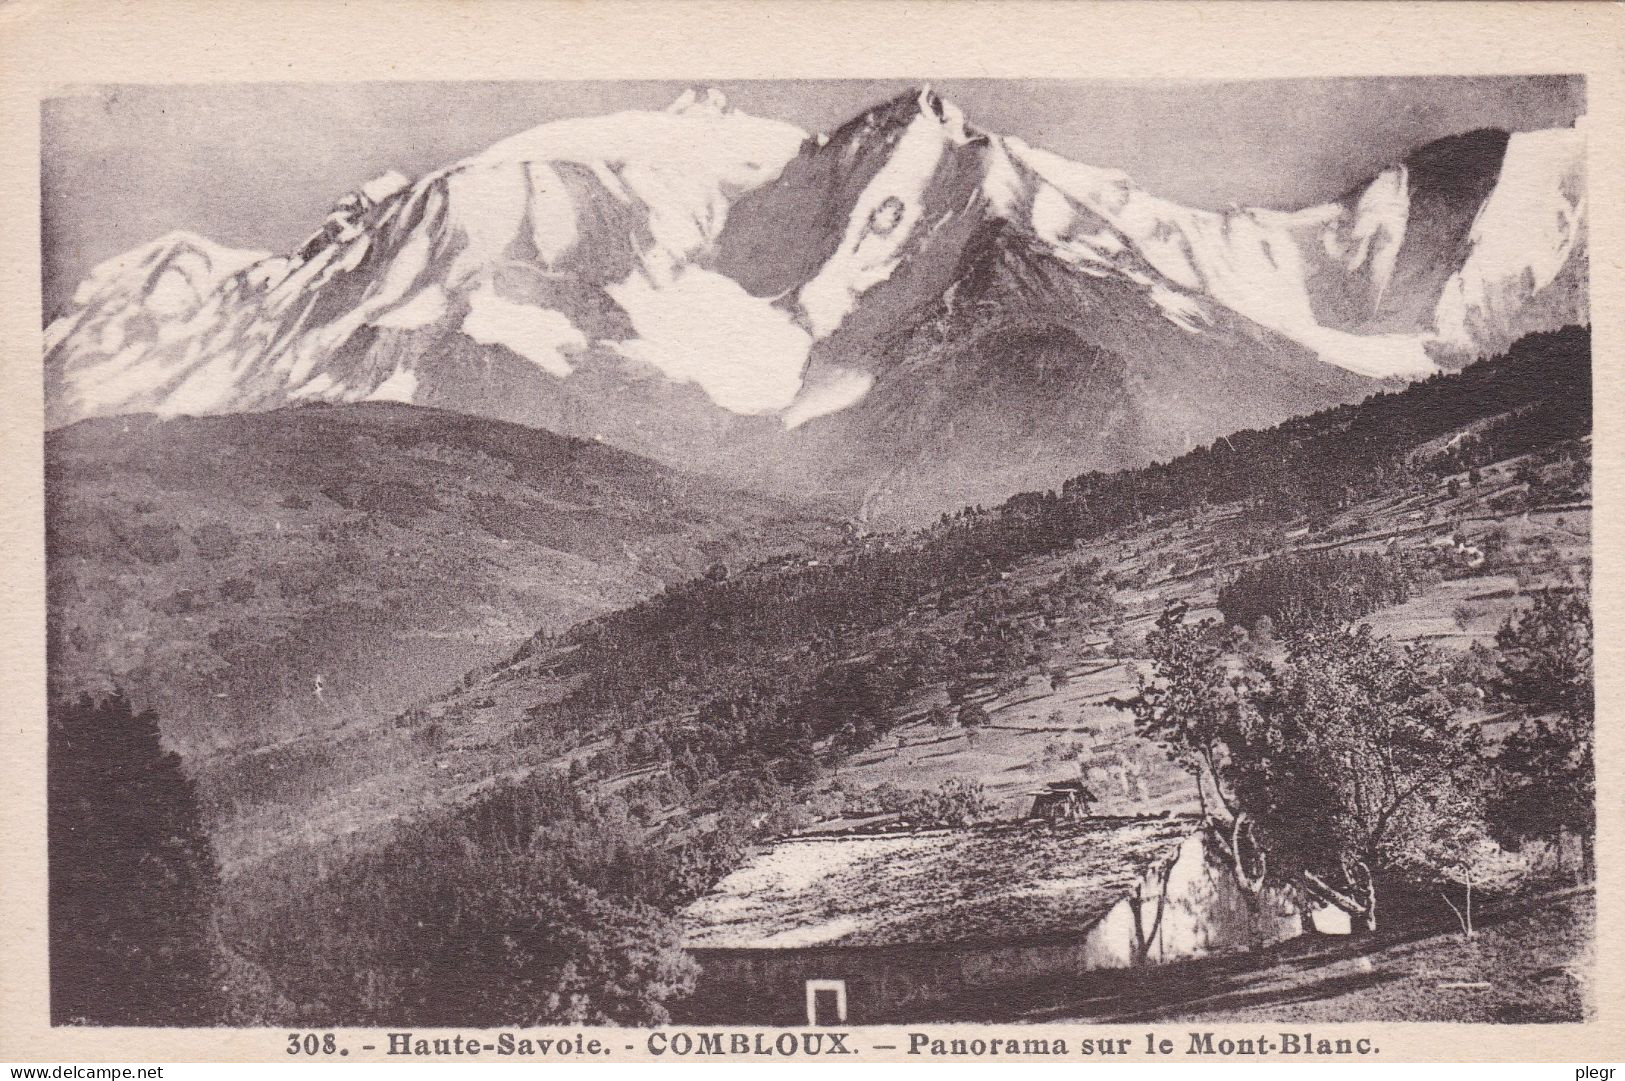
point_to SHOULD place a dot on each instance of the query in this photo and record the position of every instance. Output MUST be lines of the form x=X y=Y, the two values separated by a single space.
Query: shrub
x=955 y=802
x=1301 y=591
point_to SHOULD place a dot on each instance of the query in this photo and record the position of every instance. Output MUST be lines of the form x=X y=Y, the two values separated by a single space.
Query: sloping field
x=1531 y=962
x=1039 y=734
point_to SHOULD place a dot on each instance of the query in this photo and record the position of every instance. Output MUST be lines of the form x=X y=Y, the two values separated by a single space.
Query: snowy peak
x=382 y=187
x=1356 y=281
x=176 y=261
x=163 y=282
x=920 y=109
x=694 y=283
x=934 y=106
x=514 y=249
x=698 y=128
x=852 y=200
x=1525 y=267
x=702 y=99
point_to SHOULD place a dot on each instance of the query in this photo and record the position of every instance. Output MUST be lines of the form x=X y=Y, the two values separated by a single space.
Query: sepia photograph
x=819 y=552
x=838 y=532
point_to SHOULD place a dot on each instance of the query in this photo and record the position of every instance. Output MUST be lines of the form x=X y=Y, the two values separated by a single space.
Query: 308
x=312 y=1043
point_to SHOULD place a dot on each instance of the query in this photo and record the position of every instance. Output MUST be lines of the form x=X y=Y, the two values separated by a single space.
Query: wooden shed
x=884 y=926
x=1061 y=801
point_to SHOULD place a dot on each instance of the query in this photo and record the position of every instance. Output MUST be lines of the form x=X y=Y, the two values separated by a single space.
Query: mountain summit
x=910 y=310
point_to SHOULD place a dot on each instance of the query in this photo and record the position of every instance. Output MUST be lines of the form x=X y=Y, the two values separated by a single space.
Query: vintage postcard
x=535 y=535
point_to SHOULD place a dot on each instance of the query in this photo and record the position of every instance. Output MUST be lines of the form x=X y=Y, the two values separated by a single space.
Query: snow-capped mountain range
x=909 y=308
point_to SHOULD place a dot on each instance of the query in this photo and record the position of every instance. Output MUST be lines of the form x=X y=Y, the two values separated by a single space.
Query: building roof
x=1064 y=788
x=999 y=881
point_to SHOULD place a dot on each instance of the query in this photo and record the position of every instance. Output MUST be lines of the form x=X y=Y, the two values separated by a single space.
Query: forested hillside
x=297 y=572
x=788 y=626
x=642 y=752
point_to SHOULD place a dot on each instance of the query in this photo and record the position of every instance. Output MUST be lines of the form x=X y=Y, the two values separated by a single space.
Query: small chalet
x=1061 y=801
x=864 y=927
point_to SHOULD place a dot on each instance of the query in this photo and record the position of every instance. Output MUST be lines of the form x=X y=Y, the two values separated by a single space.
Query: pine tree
x=1546 y=772
x=132 y=873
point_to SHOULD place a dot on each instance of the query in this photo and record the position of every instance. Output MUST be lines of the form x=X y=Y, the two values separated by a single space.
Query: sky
x=259 y=165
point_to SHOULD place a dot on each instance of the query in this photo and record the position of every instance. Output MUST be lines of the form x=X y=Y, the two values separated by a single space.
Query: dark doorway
x=825 y=1008
x=826 y=1002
